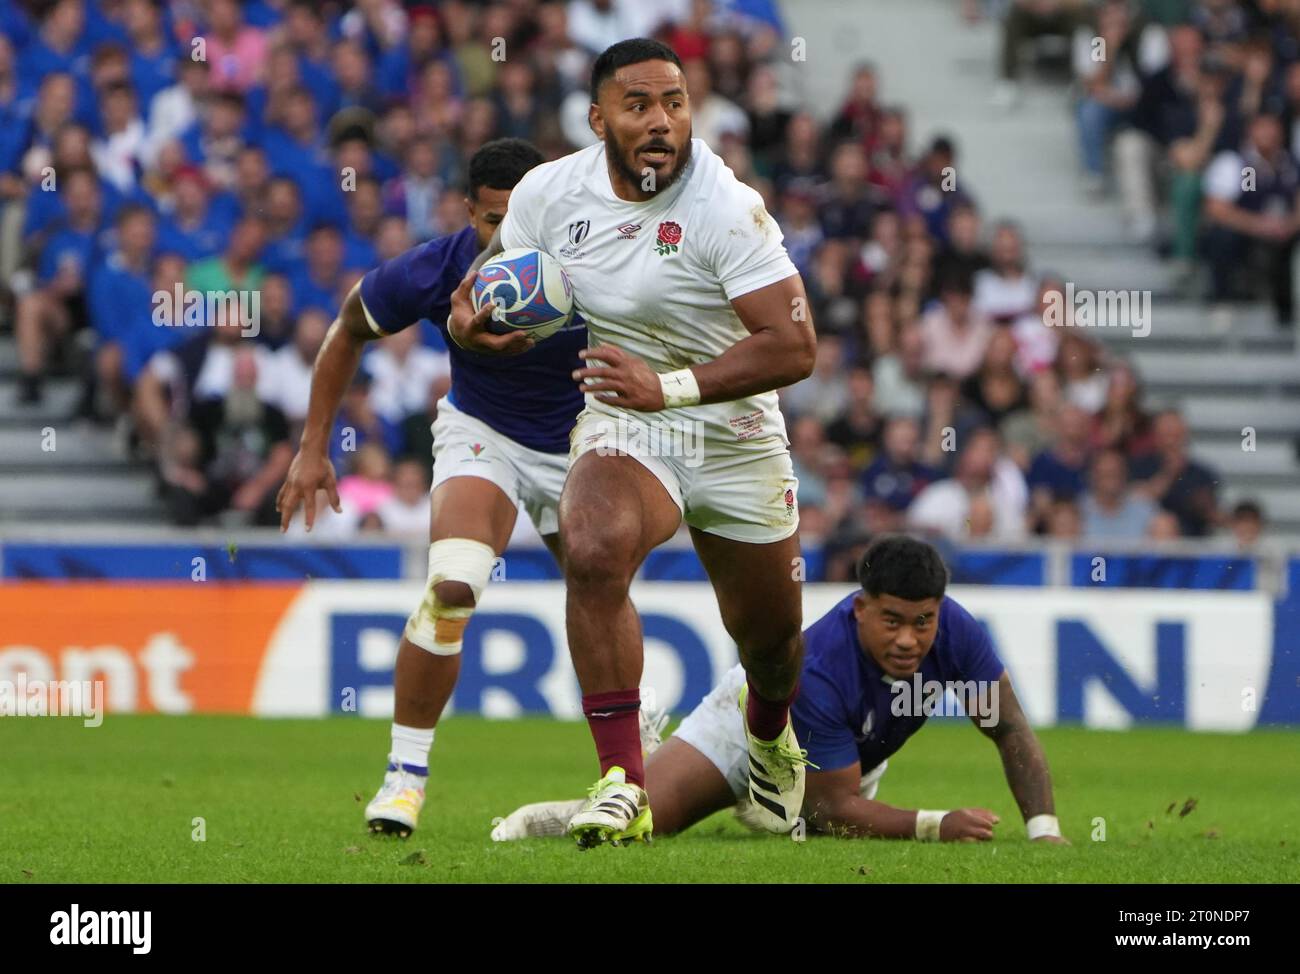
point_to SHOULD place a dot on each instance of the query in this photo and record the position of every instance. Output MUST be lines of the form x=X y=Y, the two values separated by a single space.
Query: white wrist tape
x=436 y=626
x=680 y=388
x=1041 y=825
x=452 y=335
x=927 y=825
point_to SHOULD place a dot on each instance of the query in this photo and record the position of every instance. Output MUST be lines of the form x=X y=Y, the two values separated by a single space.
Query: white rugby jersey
x=656 y=278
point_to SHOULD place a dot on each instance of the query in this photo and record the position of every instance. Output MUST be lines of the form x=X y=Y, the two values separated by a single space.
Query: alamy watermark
x=1084 y=308
x=181 y=308
x=649 y=437
x=53 y=698
x=79 y=927
x=950 y=698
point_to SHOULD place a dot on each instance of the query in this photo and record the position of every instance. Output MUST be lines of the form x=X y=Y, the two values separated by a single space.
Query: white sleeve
x=165 y=367
x=742 y=245
x=936 y=508
x=1222 y=179
x=521 y=227
x=1081 y=54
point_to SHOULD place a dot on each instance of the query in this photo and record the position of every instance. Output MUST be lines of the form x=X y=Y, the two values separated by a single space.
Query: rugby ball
x=530 y=290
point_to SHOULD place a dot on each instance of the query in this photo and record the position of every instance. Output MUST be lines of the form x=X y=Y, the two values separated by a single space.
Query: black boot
x=29 y=390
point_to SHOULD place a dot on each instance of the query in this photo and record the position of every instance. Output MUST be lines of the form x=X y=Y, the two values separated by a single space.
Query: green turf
x=282 y=800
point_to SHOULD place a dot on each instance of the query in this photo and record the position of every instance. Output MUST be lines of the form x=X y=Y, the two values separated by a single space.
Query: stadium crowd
x=312 y=140
x=1190 y=109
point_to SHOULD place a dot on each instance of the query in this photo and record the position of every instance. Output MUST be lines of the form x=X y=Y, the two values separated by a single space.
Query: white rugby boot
x=617 y=811
x=776 y=777
x=395 y=809
x=540 y=820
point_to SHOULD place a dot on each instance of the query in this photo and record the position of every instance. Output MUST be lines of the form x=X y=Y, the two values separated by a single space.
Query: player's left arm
x=777 y=352
x=1023 y=760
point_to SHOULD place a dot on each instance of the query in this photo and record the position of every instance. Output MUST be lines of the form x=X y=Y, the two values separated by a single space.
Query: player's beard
x=622 y=162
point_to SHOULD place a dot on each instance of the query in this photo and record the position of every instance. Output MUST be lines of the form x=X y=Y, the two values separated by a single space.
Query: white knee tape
x=435 y=626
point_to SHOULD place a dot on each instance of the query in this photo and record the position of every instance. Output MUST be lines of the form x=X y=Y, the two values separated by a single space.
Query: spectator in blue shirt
x=316 y=285
x=365 y=211
x=192 y=229
x=296 y=148
x=31 y=148
x=1182 y=486
x=153 y=54
x=1110 y=510
x=57 y=305
x=897 y=475
x=933 y=191
x=1058 y=473
x=59 y=47
x=119 y=289
x=285 y=230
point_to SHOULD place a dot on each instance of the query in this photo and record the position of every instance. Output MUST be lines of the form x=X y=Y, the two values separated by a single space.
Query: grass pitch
x=281 y=801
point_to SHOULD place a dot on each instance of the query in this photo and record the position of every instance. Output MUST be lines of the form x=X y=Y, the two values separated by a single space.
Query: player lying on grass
x=857 y=706
x=501 y=442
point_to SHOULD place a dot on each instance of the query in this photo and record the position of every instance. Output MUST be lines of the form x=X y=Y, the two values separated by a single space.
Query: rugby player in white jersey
x=695 y=316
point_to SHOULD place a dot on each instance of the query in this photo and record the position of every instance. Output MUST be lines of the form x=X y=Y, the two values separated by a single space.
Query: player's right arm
x=336 y=365
x=468 y=328
x=833 y=804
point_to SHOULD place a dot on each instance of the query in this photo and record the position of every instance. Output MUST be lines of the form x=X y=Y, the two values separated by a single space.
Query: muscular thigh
x=473 y=508
x=684 y=787
x=756 y=585
x=614 y=500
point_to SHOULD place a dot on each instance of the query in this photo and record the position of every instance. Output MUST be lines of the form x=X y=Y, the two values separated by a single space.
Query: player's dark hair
x=500 y=164
x=632 y=51
x=903 y=567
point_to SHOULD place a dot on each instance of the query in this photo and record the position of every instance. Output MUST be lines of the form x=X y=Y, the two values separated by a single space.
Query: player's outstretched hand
x=968 y=825
x=469 y=329
x=308 y=473
x=624 y=379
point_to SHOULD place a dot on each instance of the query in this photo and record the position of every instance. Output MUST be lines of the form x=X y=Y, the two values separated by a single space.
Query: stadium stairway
x=84 y=478
x=1224 y=373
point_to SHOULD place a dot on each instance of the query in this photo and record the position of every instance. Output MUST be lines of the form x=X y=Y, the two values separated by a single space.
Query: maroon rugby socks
x=615 y=722
x=767 y=718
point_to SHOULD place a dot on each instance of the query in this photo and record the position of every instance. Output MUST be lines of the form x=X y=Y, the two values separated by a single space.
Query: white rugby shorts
x=467 y=447
x=734 y=490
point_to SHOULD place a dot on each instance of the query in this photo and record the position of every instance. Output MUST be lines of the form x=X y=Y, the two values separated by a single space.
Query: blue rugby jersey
x=844 y=711
x=530 y=397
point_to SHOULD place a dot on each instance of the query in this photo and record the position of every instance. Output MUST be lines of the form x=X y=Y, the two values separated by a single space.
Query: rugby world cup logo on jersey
x=578 y=231
x=670 y=235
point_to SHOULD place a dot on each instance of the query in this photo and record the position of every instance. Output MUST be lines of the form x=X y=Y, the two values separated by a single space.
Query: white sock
x=411 y=747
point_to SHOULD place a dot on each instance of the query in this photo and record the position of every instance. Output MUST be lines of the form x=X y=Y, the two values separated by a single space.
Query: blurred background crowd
x=313 y=140
x=1189 y=110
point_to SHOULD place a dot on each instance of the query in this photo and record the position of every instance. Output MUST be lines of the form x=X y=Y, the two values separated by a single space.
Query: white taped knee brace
x=435 y=626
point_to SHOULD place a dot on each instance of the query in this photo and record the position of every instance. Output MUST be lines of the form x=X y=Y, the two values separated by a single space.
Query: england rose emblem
x=670 y=235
